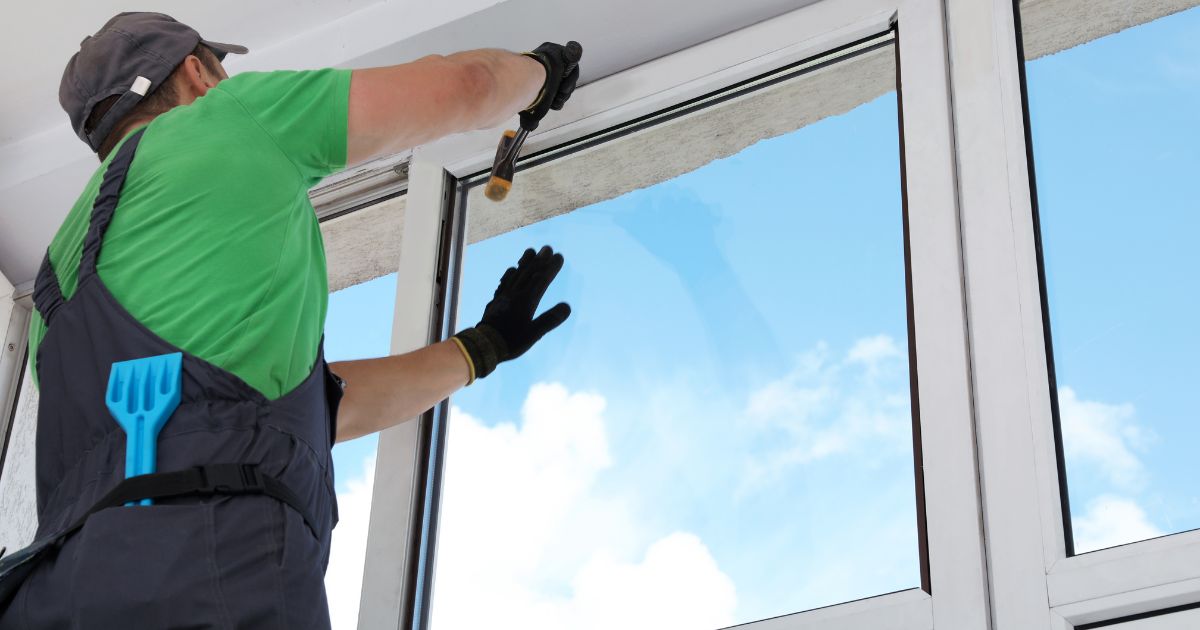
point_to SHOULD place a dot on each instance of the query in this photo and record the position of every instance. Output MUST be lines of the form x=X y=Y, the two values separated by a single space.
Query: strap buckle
x=231 y=479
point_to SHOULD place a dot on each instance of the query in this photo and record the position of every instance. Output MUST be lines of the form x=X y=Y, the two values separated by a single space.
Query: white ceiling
x=43 y=165
x=54 y=29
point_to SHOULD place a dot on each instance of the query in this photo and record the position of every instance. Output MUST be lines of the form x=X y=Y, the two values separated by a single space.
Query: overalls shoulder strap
x=106 y=205
x=47 y=293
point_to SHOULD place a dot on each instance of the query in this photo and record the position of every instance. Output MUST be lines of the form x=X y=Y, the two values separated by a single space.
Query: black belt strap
x=202 y=480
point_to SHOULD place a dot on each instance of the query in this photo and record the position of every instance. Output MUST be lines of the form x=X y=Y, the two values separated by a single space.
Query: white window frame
x=1034 y=584
x=997 y=550
x=14 y=334
x=957 y=566
x=15 y=315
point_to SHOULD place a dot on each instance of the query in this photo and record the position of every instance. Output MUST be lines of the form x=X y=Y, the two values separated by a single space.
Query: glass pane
x=721 y=432
x=358 y=326
x=1115 y=134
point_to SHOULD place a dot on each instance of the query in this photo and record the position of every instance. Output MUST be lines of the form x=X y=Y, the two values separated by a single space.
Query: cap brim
x=224 y=49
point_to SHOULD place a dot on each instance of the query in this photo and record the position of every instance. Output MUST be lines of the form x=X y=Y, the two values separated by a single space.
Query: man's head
x=139 y=65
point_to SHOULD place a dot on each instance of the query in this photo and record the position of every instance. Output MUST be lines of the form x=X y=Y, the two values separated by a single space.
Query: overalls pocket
x=147 y=567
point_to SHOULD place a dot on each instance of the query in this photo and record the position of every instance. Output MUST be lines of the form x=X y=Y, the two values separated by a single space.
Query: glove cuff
x=542 y=92
x=484 y=347
x=466 y=355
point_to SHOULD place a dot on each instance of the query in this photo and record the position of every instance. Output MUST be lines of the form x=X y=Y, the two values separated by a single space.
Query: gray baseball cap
x=130 y=55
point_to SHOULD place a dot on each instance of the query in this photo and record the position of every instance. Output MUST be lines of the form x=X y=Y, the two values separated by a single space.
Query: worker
x=196 y=235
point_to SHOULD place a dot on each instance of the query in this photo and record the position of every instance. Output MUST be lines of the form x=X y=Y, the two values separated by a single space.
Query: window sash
x=957 y=572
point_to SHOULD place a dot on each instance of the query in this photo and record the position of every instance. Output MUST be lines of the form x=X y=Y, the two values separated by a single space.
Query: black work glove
x=562 y=73
x=508 y=327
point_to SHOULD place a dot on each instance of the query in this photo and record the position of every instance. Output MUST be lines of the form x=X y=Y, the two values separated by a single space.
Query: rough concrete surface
x=1051 y=26
x=18 y=501
x=364 y=244
x=681 y=145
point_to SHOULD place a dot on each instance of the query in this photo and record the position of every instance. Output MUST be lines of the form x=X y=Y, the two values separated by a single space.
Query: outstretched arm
x=398 y=107
x=381 y=393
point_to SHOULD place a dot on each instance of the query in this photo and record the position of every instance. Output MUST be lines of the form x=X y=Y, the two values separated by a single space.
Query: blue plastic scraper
x=142 y=395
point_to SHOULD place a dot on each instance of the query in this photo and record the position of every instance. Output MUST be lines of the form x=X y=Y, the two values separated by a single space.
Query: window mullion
x=952 y=500
x=394 y=536
x=1019 y=479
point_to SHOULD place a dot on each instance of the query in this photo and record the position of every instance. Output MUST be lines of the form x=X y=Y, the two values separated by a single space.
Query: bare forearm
x=381 y=393
x=515 y=82
x=399 y=107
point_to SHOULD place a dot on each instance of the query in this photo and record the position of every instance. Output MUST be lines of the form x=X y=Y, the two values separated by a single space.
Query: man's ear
x=194 y=78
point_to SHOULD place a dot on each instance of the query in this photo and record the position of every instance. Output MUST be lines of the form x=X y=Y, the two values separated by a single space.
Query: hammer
x=510 y=144
x=502 y=169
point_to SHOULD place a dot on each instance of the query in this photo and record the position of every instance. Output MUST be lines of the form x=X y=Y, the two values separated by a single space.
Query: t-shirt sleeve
x=305 y=112
x=37 y=331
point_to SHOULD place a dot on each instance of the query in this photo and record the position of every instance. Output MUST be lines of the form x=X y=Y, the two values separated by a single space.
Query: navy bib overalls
x=214 y=553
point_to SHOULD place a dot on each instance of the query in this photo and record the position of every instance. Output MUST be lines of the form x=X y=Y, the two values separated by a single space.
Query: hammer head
x=502 y=169
x=497 y=189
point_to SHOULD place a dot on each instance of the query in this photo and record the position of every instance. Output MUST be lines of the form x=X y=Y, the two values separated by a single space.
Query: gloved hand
x=508 y=327
x=562 y=73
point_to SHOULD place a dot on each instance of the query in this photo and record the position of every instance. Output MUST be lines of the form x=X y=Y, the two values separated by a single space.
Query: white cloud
x=873 y=351
x=827 y=407
x=343 y=577
x=1110 y=521
x=522 y=482
x=1106 y=440
x=792 y=401
x=1104 y=436
x=676 y=585
x=526 y=542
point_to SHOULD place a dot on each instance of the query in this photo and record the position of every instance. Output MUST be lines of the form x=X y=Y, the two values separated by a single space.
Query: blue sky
x=694 y=296
x=723 y=422
x=1115 y=146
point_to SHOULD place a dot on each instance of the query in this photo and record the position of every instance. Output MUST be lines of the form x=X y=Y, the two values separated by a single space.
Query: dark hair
x=160 y=100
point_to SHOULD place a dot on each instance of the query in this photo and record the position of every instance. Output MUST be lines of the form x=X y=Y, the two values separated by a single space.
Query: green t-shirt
x=214 y=245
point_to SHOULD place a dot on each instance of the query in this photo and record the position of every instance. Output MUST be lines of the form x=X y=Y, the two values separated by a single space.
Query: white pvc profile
x=958 y=570
x=14 y=327
x=360 y=184
x=1033 y=582
x=904 y=610
x=1131 y=579
x=1181 y=620
x=1008 y=356
x=392 y=534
